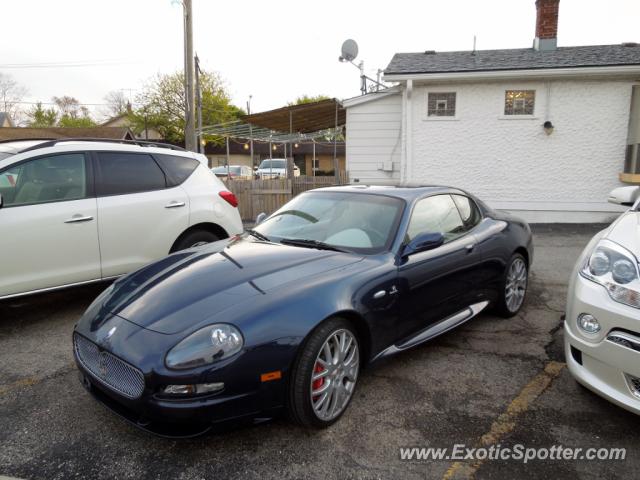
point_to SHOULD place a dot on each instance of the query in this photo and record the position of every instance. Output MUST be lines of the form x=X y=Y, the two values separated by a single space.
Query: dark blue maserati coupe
x=283 y=317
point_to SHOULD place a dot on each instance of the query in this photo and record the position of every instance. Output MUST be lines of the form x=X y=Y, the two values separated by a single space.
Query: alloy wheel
x=516 y=285
x=335 y=373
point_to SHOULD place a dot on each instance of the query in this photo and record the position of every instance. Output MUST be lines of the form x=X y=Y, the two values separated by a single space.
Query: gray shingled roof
x=514 y=59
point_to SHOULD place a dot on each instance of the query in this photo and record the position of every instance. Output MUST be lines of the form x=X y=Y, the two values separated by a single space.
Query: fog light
x=588 y=323
x=193 y=389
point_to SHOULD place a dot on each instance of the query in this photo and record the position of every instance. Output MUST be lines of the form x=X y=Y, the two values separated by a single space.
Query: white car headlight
x=207 y=345
x=615 y=268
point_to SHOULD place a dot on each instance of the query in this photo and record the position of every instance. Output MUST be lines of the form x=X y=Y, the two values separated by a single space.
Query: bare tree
x=117 y=103
x=11 y=94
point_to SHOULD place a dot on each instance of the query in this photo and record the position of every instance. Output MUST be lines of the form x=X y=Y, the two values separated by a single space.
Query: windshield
x=357 y=222
x=273 y=164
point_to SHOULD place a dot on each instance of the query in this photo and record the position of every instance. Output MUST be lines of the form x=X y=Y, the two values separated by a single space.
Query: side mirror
x=260 y=218
x=423 y=242
x=624 y=195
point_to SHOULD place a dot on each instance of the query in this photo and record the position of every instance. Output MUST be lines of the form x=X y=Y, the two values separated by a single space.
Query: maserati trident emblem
x=102 y=364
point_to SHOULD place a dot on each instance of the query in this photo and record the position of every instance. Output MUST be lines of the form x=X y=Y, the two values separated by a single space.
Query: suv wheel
x=193 y=239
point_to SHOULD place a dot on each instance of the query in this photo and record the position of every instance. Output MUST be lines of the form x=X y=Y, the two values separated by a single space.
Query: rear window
x=178 y=169
x=122 y=173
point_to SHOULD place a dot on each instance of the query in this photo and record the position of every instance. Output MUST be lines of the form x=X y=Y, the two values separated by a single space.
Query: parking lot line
x=23 y=382
x=507 y=420
x=30 y=381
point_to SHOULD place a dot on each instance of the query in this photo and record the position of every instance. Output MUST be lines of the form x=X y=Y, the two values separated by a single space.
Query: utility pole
x=189 y=123
x=200 y=147
x=250 y=129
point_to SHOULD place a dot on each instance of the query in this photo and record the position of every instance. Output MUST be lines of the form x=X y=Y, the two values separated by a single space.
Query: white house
x=545 y=132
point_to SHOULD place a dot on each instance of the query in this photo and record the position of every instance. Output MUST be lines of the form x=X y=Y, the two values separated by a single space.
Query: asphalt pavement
x=490 y=382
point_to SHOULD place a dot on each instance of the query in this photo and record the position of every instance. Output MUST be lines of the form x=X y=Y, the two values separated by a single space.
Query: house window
x=519 y=102
x=442 y=104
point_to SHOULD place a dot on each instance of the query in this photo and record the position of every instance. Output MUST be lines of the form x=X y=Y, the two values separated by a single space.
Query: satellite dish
x=349 y=51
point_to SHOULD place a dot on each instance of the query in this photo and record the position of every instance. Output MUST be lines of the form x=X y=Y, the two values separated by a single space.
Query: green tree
x=73 y=113
x=40 y=117
x=161 y=105
x=308 y=99
x=68 y=112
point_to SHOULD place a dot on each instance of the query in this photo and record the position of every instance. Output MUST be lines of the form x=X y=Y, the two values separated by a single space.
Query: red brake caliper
x=320 y=381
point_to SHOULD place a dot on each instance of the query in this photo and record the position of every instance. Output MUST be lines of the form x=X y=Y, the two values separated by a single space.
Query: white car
x=77 y=211
x=602 y=323
x=275 y=168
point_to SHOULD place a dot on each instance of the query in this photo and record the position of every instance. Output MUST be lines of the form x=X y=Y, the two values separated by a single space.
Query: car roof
x=15 y=146
x=24 y=149
x=404 y=191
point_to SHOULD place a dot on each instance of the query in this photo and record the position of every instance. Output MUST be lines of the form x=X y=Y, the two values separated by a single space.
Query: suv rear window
x=121 y=173
x=177 y=168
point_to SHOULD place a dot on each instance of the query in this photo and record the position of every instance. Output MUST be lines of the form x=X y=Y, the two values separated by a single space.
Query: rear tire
x=513 y=288
x=331 y=355
x=194 y=239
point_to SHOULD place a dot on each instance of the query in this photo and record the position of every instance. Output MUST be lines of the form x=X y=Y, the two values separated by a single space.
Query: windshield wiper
x=257 y=234
x=302 y=242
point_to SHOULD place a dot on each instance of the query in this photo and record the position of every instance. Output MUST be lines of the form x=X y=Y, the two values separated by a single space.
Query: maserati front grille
x=108 y=369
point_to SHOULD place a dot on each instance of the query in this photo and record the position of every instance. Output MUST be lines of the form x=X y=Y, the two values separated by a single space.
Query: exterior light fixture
x=274 y=147
x=246 y=146
x=295 y=145
x=548 y=127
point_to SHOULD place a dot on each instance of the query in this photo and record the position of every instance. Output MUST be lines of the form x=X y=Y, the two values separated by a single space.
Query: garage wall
x=373 y=138
x=510 y=162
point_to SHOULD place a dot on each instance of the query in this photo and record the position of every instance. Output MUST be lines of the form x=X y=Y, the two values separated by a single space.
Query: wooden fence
x=257 y=196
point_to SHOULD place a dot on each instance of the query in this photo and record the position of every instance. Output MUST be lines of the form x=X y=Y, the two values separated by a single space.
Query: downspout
x=409 y=131
x=403 y=133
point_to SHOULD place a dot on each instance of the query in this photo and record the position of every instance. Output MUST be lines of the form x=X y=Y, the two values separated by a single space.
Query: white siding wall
x=511 y=163
x=507 y=161
x=374 y=137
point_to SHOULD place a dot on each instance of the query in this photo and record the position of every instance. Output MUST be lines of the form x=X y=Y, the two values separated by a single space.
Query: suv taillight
x=229 y=197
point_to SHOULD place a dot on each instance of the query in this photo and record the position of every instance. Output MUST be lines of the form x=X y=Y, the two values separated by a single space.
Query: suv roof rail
x=53 y=141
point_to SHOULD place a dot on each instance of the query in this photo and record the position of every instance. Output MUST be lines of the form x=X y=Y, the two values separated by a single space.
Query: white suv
x=78 y=211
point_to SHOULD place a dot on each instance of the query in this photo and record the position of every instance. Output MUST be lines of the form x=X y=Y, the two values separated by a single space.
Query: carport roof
x=304 y=118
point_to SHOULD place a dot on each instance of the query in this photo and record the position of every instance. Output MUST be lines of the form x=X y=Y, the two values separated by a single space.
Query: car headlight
x=207 y=345
x=615 y=268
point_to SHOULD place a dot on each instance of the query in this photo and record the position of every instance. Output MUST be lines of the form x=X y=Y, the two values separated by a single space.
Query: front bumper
x=177 y=419
x=596 y=361
x=244 y=395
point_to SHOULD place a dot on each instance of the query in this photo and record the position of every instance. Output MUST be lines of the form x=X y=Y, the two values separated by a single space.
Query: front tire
x=514 y=287
x=325 y=374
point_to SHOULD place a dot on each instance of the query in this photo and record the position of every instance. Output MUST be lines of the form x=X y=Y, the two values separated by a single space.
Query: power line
x=72 y=64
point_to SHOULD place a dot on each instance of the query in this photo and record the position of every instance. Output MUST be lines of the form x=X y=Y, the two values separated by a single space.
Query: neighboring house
x=239 y=154
x=122 y=120
x=113 y=133
x=5 y=120
x=545 y=132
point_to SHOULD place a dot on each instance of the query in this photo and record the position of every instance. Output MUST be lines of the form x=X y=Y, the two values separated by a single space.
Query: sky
x=272 y=50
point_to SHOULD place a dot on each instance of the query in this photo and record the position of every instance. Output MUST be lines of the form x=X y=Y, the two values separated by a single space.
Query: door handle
x=175 y=205
x=79 y=219
x=469 y=248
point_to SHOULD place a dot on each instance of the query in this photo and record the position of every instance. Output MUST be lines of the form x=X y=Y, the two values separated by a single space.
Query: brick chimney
x=546 y=25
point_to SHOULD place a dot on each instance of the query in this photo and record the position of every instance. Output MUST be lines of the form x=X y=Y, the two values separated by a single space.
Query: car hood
x=184 y=289
x=626 y=232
